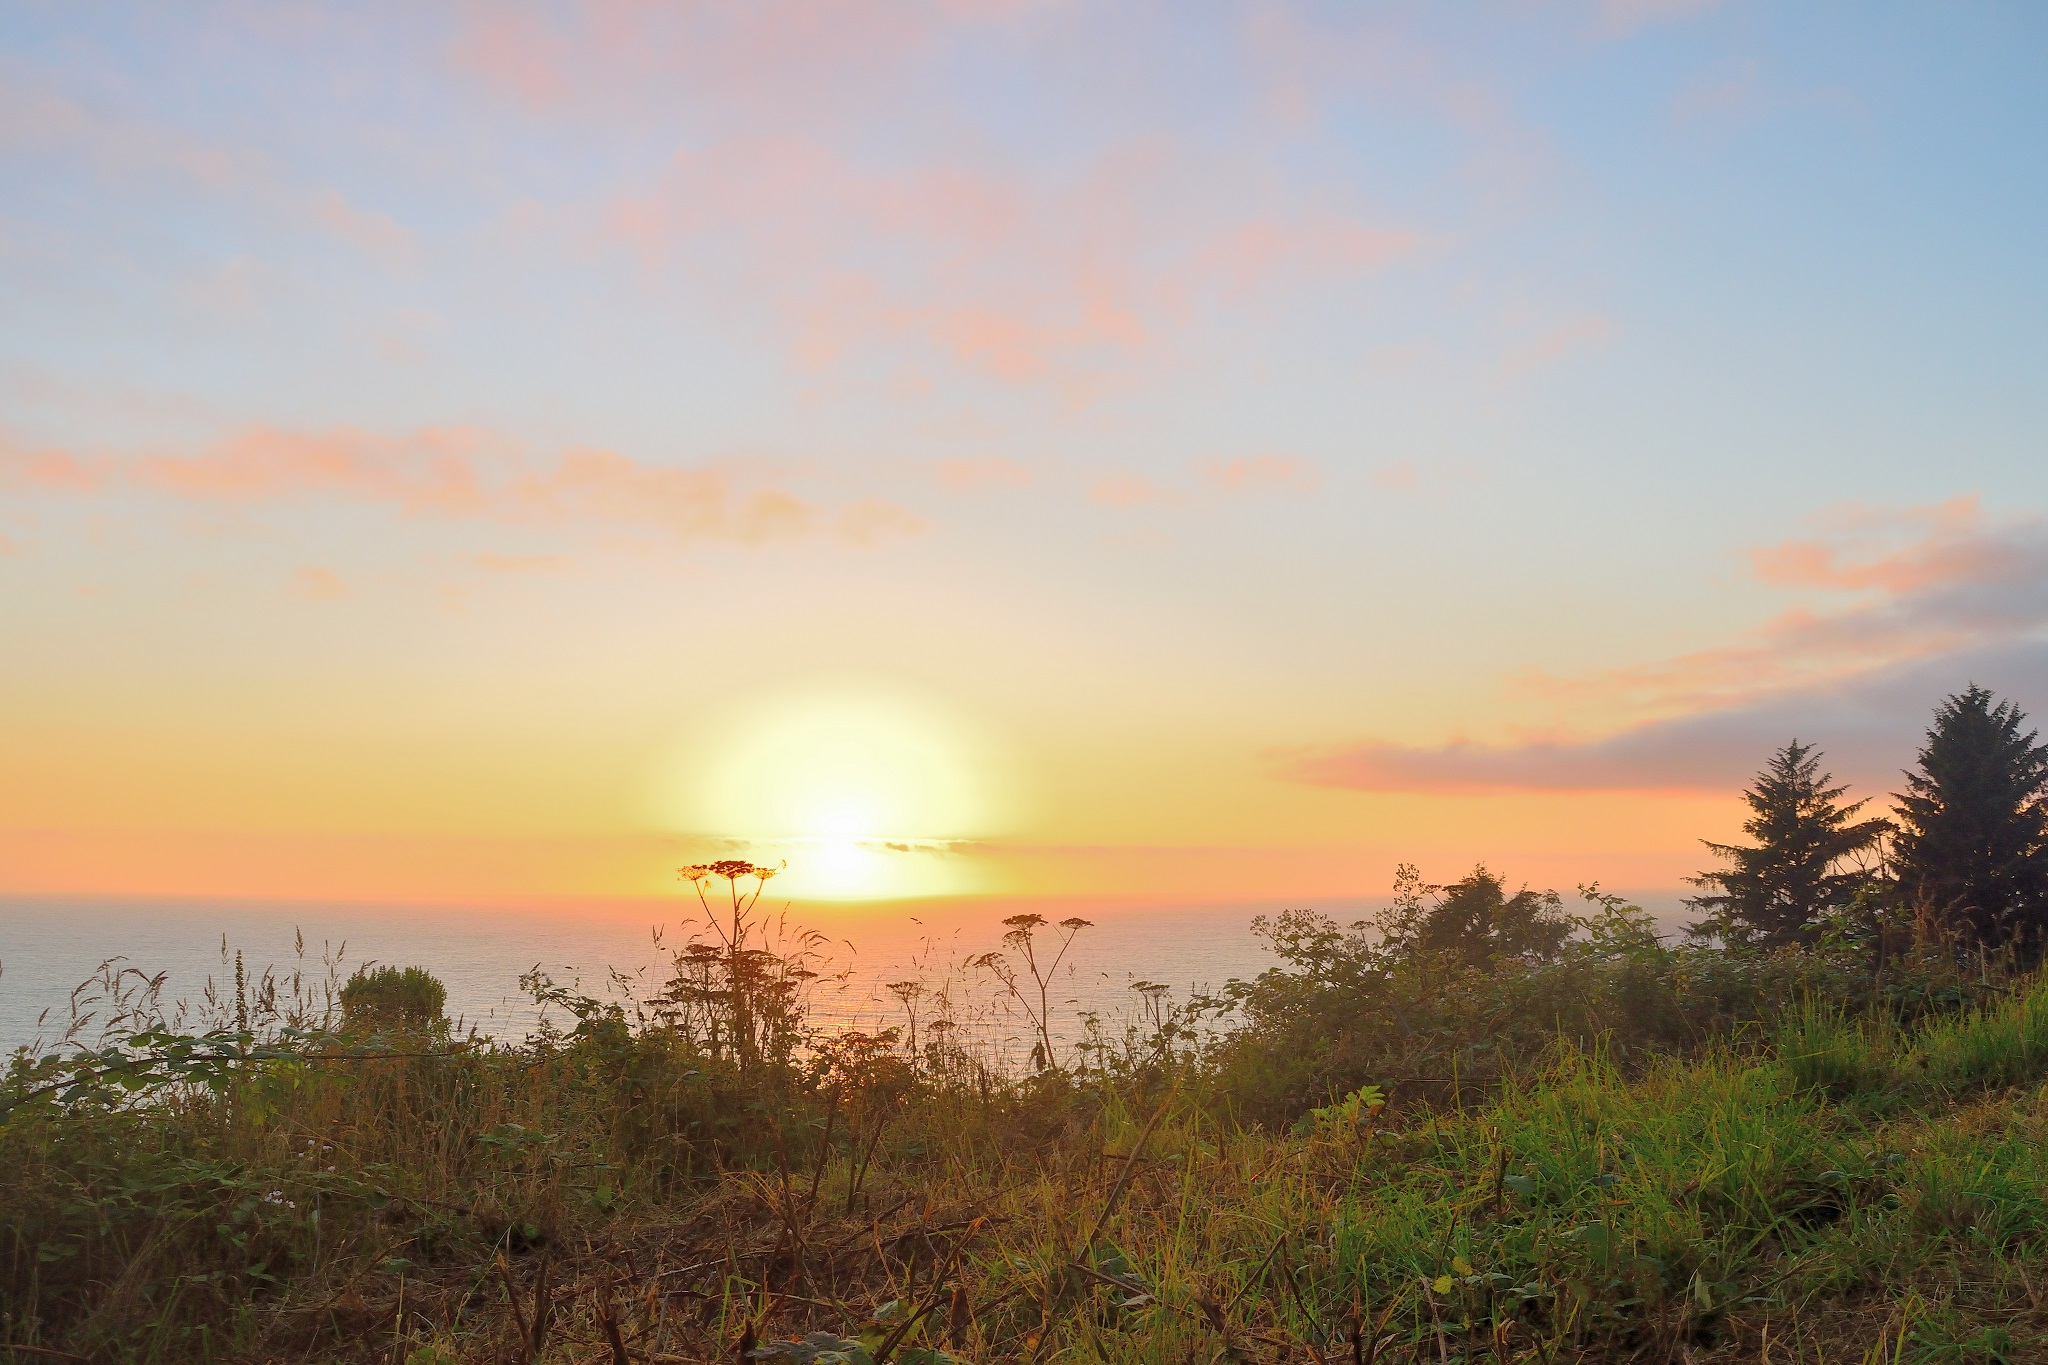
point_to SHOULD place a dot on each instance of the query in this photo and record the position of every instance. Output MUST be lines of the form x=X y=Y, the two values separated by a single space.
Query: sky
x=1193 y=451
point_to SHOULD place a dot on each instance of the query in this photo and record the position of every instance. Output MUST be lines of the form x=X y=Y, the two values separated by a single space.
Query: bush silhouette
x=391 y=997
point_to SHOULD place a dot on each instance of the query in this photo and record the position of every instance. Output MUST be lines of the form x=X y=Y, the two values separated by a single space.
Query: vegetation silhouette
x=1476 y=1126
x=1811 y=860
x=1973 y=823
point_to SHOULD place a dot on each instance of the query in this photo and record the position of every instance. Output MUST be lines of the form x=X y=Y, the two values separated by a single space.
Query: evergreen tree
x=1973 y=822
x=1803 y=865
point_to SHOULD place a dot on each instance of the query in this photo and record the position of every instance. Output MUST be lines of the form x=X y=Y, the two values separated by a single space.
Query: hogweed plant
x=740 y=992
x=1027 y=981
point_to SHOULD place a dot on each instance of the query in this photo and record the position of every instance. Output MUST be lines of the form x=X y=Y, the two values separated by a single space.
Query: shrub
x=390 y=997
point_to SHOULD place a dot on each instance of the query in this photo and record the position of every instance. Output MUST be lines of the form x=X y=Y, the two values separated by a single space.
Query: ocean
x=50 y=945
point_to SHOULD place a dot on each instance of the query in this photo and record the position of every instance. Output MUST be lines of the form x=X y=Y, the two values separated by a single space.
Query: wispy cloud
x=127 y=149
x=1127 y=490
x=462 y=472
x=48 y=469
x=1922 y=602
x=1269 y=472
x=316 y=583
x=1399 y=477
x=1626 y=16
x=1555 y=343
x=497 y=563
x=1058 y=283
x=973 y=475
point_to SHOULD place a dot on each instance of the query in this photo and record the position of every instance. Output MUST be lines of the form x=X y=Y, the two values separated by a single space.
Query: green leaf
x=819 y=1348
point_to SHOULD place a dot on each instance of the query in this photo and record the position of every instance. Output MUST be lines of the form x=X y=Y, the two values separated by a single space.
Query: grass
x=1842 y=1187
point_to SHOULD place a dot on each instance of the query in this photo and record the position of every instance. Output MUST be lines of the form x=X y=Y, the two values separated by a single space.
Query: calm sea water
x=49 y=945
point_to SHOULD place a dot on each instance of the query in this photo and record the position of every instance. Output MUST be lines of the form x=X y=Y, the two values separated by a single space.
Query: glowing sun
x=865 y=794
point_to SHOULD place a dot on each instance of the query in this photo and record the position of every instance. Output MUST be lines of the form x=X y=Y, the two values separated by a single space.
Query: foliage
x=1973 y=823
x=386 y=997
x=1833 y=1180
x=1027 y=981
x=1473 y=1127
x=1804 y=865
x=740 y=995
x=1475 y=920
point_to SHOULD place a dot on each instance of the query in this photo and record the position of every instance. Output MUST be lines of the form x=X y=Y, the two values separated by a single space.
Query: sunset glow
x=862 y=795
x=454 y=453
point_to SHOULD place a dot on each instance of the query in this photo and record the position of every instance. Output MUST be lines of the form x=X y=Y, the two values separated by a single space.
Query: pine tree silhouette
x=1801 y=867
x=1973 y=823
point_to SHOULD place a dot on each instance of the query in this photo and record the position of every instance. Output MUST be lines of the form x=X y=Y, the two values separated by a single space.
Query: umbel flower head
x=732 y=869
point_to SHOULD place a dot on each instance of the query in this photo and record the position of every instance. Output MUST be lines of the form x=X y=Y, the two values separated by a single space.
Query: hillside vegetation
x=1397 y=1149
x=1477 y=1128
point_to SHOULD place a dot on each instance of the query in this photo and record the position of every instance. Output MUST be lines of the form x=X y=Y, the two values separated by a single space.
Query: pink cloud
x=1953 y=548
x=775 y=57
x=48 y=470
x=125 y=148
x=1004 y=345
x=1255 y=256
x=1126 y=490
x=376 y=235
x=433 y=469
x=461 y=472
x=1558 y=342
x=33 y=119
x=1628 y=15
x=1964 y=598
x=1030 y=283
x=515 y=53
x=1262 y=473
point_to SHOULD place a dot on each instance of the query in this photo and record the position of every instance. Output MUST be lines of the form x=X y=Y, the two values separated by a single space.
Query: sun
x=866 y=793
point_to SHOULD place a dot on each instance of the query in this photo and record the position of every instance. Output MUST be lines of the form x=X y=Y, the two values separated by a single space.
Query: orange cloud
x=462 y=472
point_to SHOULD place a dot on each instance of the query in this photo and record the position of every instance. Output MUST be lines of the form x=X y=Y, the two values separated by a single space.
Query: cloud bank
x=1962 y=601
